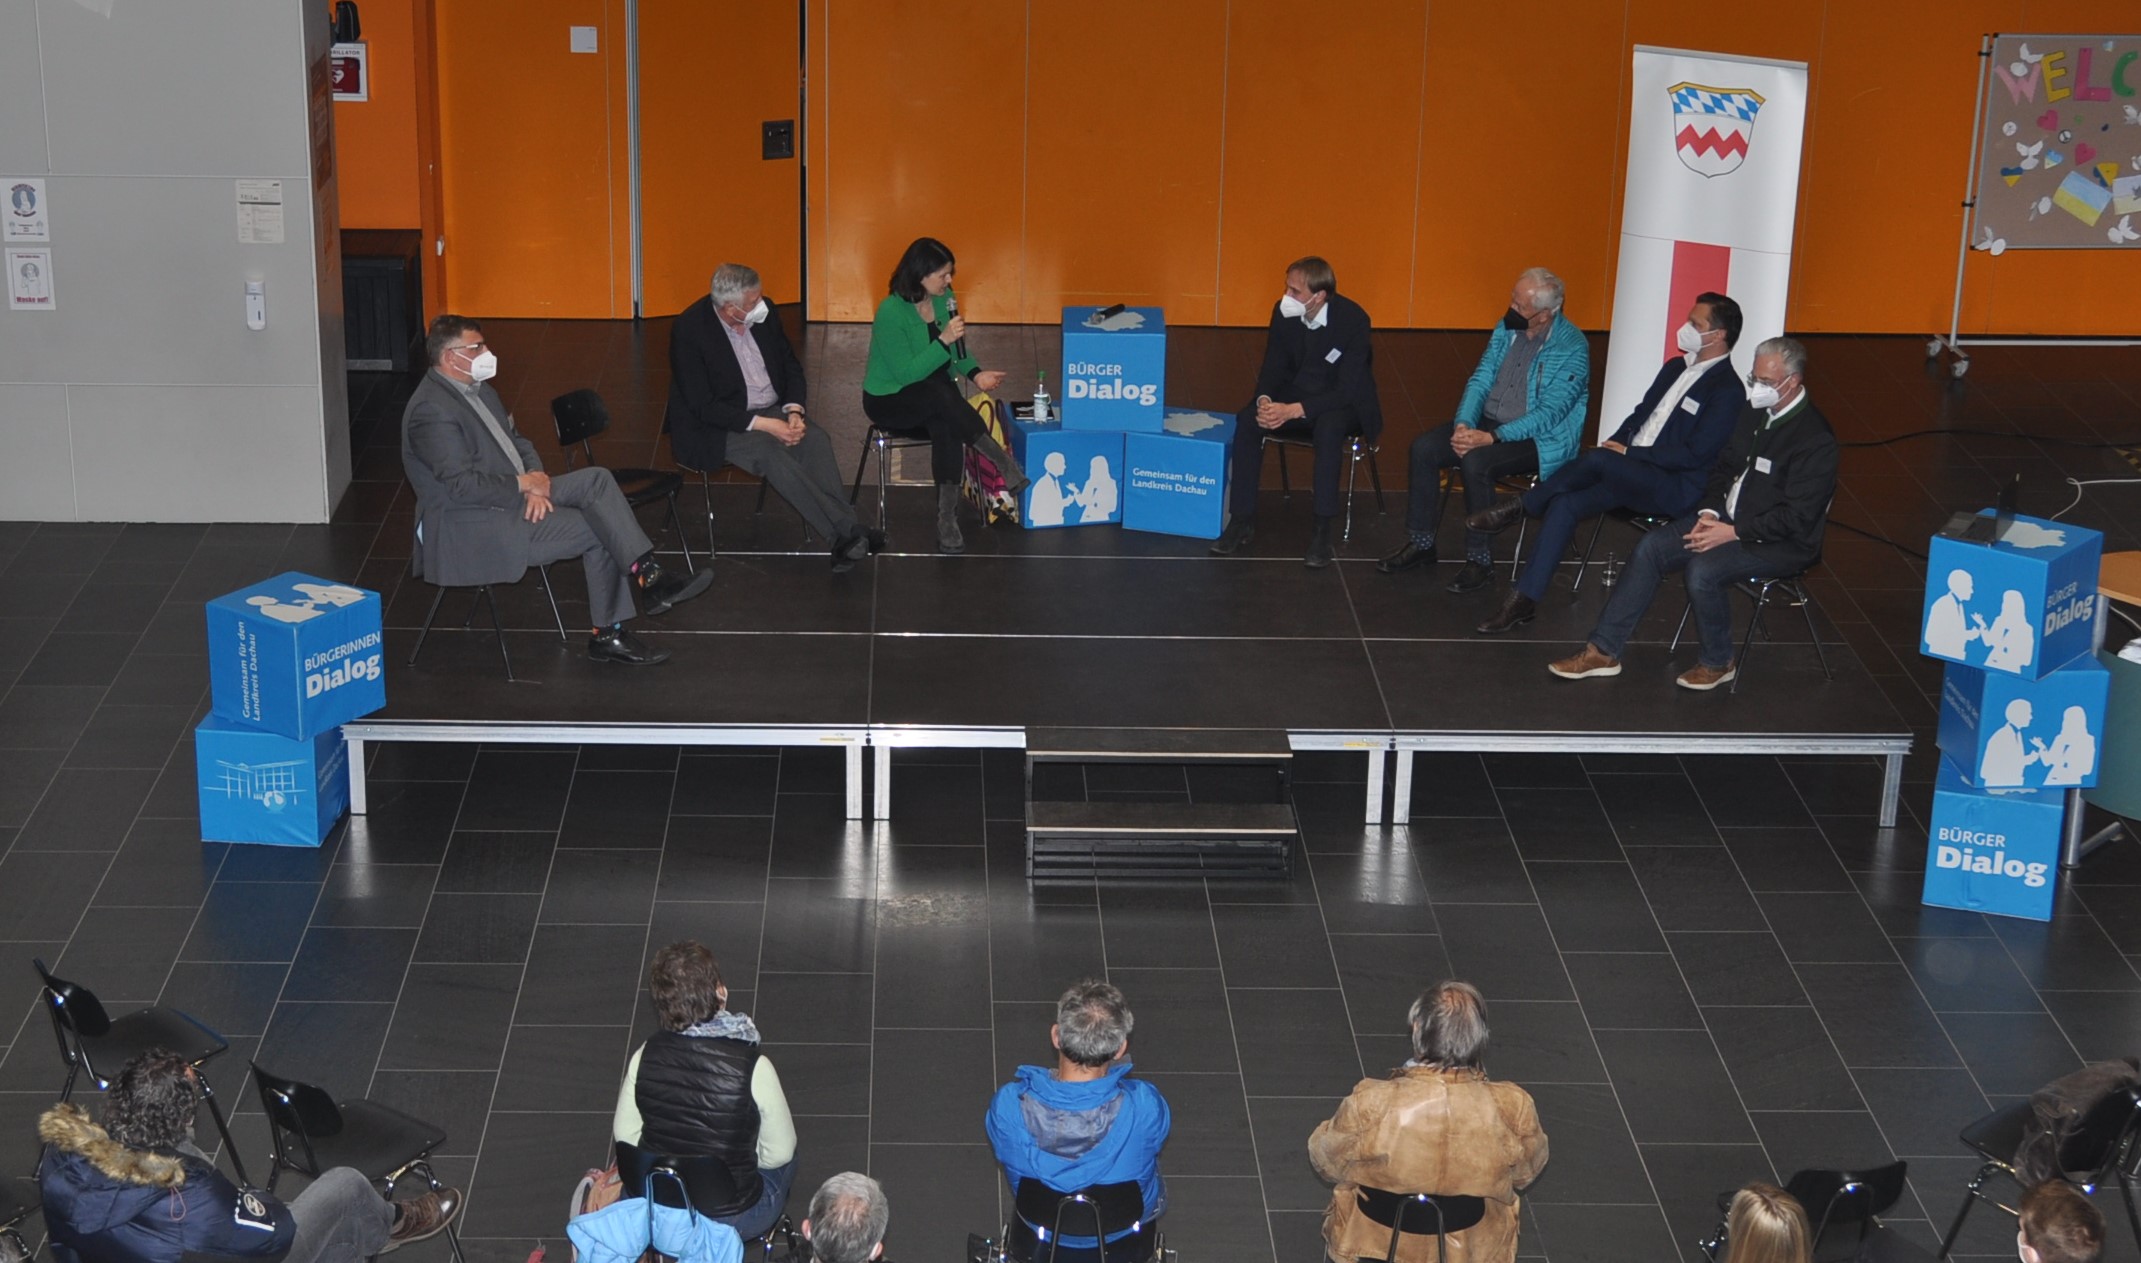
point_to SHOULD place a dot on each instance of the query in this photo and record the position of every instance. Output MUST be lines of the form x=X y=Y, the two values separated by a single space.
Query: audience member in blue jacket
x=1656 y=464
x=1522 y=413
x=1086 y=1122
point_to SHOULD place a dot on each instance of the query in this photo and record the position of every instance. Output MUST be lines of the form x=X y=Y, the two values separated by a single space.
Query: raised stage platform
x=1104 y=629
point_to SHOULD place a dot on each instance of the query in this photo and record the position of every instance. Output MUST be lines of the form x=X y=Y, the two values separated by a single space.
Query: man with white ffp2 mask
x=1317 y=382
x=736 y=396
x=486 y=511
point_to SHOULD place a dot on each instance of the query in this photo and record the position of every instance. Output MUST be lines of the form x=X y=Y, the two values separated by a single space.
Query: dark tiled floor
x=1705 y=969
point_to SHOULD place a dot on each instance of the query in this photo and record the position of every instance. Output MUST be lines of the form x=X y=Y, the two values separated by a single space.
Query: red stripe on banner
x=1697 y=268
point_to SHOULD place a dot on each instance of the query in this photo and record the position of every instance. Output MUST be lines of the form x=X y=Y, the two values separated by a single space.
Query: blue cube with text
x=1114 y=369
x=2024 y=605
x=1178 y=477
x=1993 y=851
x=259 y=787
x=2005 y=732
x=1076 y=475
x=295 y=655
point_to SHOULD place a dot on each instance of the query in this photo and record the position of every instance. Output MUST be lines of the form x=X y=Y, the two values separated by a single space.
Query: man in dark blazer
x=1762 y=515
x=736 y=395
x=486 y=511
x=1318 y=379
x=1655 y=464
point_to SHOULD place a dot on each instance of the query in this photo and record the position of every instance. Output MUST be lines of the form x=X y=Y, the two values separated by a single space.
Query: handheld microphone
x=951 y=306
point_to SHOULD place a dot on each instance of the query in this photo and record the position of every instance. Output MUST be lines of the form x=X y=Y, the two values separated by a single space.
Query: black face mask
x=1516 y=321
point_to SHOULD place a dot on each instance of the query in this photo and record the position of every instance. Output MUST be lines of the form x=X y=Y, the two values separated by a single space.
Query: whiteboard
x=2059 y=150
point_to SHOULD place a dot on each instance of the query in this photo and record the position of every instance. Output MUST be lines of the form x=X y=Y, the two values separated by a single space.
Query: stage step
x=1085 y=841
x=1158 y=745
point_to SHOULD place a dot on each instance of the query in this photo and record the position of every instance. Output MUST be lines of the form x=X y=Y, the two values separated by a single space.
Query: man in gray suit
x=486 y=511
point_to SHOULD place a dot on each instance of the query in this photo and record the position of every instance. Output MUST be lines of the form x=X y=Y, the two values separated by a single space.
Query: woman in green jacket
x=910 y=388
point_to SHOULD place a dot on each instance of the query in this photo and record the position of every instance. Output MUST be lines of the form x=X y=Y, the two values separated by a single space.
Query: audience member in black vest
x=699 y=1087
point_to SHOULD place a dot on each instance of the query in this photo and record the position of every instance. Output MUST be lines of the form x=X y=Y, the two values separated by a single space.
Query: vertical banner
x=1713 y=189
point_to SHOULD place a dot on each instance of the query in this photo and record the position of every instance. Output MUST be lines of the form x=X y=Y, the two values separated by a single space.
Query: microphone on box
x=951 y=307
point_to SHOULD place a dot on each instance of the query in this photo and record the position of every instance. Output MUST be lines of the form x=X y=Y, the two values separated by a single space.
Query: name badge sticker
x=1332 y=358
x=1690 y=406
x=1761 y=464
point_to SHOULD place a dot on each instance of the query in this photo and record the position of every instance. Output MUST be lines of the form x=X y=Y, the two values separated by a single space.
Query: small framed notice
x=352 y=72
x=24 y=217
x=29 y=280
x=260 y=212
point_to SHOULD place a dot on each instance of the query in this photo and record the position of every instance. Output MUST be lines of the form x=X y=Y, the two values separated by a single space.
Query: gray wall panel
x=36 y=465
x=22 y=101
x=189 y=453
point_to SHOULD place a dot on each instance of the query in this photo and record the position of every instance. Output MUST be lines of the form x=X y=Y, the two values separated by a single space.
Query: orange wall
x=1179 y=154
x=375 y=140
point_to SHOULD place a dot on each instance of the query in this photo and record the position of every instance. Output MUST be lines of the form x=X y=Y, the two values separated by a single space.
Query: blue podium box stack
x=2021 y=710
x=1115 y=371
x=289 y=661
x=1177 y=480
x=1076 y=475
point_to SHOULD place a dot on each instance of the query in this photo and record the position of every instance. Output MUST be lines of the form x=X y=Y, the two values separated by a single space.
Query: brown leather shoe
x=423 y=1217
x=1502 y=515
x=1702 y=679
x=1584 y=665
x=1518 y=609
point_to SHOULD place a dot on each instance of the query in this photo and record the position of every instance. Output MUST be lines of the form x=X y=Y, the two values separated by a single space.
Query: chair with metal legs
x=1831 y=1199
x=706 y=491
x=581 y=415
x=1644 y=523
x=1794 y=588
x=1357 y=450
x=2104 y=1146
x=92 y=1040
x=1450 y=1212
x=1513 y=484
x=487 y=598
x=883 y=442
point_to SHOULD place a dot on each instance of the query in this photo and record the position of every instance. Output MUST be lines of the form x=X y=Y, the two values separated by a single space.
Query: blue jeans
x=1710 y=576
x=759 y=1219
x=1594 y=482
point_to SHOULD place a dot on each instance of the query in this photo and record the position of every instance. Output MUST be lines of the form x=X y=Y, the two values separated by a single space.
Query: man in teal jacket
x=1086 y=1122
x=1522 y=413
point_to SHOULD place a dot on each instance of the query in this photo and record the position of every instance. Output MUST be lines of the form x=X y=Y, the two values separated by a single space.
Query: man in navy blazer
x=1655 y=464
x=736 y=397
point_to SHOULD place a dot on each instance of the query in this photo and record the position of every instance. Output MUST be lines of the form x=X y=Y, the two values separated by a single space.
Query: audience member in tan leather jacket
x=1436 y=1125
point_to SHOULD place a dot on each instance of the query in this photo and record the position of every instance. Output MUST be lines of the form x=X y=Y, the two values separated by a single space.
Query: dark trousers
x=806 y=476
x=1328 y=430
x=1432 y=453
x=593 y=521
x=1591 y=484
x=1710 y=577
x=934 y=409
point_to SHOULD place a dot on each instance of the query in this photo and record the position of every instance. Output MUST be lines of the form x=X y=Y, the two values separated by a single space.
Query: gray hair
x=1791 y=350
x=1549 y=289
x=731 y=280
x=1093 y=1022
x=1449 y=1026
x=848 y=1215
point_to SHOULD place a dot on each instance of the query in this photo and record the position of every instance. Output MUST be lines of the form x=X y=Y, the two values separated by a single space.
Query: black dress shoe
x=876 y=540
x=619 y=645
x=661 y=592
x=1236 y=537
x=1320 y=552
x=1518 y=609
x=1406 y=558
x=1471 y=577
x=1500 y=517
x=846 y=552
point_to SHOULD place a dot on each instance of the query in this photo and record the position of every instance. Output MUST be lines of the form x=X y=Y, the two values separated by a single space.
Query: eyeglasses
x=471 y=346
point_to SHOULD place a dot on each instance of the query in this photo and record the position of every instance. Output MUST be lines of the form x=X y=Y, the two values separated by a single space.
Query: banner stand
x=1955 y=342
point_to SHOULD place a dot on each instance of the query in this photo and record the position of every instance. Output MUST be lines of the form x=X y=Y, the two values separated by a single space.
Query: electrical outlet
x=778 y=139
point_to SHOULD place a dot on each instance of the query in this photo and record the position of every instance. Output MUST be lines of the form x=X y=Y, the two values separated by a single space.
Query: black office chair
x=704 y=1181
x=2103 y=1146
x=1357 y=450
x=580 y=416
x=18 y=1201
x=483 y=596
x=1034 y=1234
x=312 y=1132
x=1644 y=523
x=92 y=1040
x=1450 y=1212
x=1514 y=484
x=1831 y=1199
x=1794 y=589
x=883 y=442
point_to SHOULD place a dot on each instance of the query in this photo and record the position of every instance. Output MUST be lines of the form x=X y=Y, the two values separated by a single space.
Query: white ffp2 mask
x=482 y=366
x=1688 y=339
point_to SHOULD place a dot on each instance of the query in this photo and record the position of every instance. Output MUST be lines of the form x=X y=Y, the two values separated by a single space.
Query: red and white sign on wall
x=352 y=72
x=1713 y=191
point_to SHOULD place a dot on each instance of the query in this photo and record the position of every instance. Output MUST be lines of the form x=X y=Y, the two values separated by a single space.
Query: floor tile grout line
x=1256 y=1155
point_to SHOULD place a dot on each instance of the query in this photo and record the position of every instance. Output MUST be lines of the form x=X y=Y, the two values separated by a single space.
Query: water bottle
x=1040 y=399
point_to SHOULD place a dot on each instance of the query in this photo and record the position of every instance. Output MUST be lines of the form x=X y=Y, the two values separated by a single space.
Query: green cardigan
x=901 y=350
